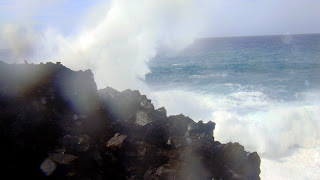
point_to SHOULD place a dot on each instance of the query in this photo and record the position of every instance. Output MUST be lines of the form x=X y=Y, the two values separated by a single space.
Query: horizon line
x=236 y=36
x=287 y=34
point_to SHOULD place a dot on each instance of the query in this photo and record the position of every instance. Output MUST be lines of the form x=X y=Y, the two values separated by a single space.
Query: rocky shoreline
x=55 y=124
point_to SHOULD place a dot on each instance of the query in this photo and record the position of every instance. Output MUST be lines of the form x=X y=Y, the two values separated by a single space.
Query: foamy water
x=286 y=136
x=262 y=92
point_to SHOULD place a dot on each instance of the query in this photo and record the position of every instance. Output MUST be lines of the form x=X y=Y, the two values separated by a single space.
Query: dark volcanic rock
x=116 y=141
x=156 y=134
x=130 y=106
x=62 y=158
x=236 y=161
x=56 y=125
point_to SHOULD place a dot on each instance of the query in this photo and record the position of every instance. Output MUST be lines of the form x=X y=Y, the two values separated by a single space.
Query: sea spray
x=262 y=92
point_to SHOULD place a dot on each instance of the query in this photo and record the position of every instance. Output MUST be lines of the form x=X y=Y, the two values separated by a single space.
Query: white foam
x=206 y=76
x=285 y=134
x=301 y=164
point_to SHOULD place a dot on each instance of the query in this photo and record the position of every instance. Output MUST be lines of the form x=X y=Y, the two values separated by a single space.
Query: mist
x=117 y=38
x=117 y=46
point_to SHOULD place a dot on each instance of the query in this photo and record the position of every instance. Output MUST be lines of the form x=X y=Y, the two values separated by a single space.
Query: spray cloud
x=118 y=46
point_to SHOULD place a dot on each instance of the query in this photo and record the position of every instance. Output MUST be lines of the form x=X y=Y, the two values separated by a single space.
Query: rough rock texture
x=116 y=141
x=55 y=124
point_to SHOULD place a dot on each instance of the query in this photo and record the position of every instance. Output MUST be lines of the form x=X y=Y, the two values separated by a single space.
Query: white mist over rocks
x=261 y=124
x=284 y=134
x=117 y=47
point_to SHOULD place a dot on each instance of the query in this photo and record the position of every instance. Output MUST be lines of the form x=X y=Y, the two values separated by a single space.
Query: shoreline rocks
x=56 y=124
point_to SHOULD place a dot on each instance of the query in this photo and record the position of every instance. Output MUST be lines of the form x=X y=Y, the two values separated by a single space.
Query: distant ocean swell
x=263 y=92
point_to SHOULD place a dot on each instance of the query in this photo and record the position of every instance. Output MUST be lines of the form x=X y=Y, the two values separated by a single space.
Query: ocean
x=262 y=92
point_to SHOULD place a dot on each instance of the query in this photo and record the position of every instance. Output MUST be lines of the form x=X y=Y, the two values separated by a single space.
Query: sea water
x=262 y=91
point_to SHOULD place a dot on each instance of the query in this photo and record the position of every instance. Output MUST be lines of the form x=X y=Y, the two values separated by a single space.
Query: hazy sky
x=121 y=36
x=228 y=17
x=263 y=17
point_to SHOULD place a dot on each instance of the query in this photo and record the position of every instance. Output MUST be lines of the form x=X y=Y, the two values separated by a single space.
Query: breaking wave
x=281 y=132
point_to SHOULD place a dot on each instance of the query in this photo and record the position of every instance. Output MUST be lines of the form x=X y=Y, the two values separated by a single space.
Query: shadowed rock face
x=55 y=124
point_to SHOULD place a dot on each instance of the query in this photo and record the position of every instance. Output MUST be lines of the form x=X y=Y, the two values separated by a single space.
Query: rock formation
x=55 y=124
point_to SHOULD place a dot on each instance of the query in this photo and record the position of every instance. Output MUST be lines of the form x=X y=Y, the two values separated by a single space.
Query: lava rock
x=56 y=124
x=62 y=158
x=116 y=141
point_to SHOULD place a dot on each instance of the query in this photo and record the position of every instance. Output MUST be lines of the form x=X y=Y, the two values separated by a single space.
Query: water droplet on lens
x=75 y=117
x=43 y=100
x=48 y=166
x=307 y=82
x=189 y=141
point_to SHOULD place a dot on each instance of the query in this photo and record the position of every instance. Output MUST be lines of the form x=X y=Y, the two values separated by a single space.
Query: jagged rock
x=76 y=143
x=131 y=106
x=156 y=134
x=179 y=124
x=105 y=134
x=163 y=111
x=142 y=118
x=146 y=103
x=231 y=157
x=116 y=141
x=62 y=158
x=162 y=172
x=206 y=128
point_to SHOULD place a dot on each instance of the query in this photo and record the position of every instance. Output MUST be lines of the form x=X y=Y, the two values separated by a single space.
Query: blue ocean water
x=280 y=66
x=262 y=91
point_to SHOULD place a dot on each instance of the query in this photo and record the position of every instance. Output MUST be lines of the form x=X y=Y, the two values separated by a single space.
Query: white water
x=285 y=134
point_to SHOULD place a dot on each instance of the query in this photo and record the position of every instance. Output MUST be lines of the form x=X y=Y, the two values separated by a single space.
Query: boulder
x=116 y=141
x=164 y=172
x=142 y=118
x=156 y=134
x=62 y=158
x=76 y=144
x=232 y=157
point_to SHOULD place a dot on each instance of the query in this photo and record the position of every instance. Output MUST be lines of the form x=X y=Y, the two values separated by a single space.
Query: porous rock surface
x=55 y=124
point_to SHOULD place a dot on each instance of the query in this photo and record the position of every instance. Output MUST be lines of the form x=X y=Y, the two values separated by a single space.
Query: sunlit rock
x=142 y=118
x=62 y=158
x=116 y=141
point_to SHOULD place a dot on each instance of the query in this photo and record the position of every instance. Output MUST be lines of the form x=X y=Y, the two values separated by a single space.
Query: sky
x=121 y=36
x=264 y=17
x=117 y=38
x=64 y=15
x=228 y=17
